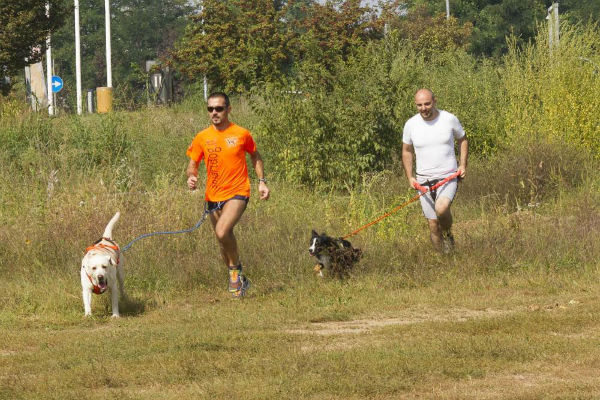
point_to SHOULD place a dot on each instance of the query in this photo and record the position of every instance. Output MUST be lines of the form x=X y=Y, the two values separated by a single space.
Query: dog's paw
x=318 y=268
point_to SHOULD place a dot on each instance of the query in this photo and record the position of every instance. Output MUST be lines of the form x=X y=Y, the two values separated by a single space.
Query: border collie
x=333 y=254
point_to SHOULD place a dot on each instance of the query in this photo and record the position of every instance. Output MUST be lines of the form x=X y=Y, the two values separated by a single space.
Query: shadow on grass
x=132 y=307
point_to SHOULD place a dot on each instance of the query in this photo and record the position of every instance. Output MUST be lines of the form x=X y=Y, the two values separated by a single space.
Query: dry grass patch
x=366 y=325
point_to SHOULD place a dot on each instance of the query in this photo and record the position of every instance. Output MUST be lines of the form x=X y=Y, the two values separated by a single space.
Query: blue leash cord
x=204 y=215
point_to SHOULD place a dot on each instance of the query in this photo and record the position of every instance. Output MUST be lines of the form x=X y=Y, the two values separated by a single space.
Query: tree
x=235 y=44
x=24 y=27
x=580 y=10
x=510 y=17
x=330 y=34
x=492 y=20
x=429 y=35
x=238 y=44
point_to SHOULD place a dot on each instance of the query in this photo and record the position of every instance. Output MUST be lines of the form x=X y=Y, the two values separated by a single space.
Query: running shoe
x=244 y=285
x=448 y=242
x=234 y=279
x=238 y=283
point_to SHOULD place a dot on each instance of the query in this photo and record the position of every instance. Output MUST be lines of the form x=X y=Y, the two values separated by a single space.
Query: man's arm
x=259 y=167
x=407 y=162
x=192 y=174
x=463 y=147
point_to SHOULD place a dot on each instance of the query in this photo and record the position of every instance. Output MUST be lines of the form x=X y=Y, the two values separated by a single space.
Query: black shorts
x=218 y=205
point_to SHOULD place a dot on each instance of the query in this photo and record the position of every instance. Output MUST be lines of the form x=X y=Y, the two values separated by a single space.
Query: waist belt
x=430 y=184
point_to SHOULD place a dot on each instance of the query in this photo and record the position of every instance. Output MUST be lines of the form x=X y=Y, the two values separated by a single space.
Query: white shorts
x=447 y=190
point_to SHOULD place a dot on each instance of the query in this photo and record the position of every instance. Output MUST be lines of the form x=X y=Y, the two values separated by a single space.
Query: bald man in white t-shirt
x=430 y=136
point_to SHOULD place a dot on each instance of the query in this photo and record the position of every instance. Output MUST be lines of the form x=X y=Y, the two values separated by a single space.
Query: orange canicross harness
x=101 y=246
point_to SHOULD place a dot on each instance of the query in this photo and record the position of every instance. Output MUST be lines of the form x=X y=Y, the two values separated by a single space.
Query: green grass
x=452 y=339
x=512 y=314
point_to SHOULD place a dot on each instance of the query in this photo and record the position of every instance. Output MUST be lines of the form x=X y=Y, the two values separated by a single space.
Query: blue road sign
x=57 y=84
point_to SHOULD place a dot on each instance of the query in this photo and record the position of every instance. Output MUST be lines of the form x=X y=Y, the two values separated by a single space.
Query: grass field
x=512 y=314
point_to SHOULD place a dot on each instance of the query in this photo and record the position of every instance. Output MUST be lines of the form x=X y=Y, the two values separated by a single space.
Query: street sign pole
x=49 y=69
x=78 y=58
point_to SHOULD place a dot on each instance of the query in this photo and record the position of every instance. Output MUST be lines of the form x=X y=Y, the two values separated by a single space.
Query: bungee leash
x=202 y=219
x=421 y=189
x=207 y=211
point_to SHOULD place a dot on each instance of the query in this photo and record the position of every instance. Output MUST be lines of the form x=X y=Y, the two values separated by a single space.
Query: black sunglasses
x=217 y=109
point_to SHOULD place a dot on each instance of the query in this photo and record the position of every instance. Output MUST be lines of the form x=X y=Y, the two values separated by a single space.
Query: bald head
x=425 y=102
x=425 y=92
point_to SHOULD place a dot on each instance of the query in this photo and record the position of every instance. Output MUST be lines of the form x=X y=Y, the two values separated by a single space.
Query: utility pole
x=205 y=80
x=205 y=89
x=77 y=58
x=553 y=25
x=49 y=68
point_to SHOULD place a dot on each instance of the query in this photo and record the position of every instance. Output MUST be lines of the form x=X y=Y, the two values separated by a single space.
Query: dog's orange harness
x=102 y=248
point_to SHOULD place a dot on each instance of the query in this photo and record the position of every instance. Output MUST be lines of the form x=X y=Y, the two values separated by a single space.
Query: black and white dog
x=334 y=254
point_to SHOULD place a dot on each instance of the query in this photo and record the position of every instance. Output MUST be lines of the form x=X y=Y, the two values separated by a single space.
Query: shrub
x=335 y=133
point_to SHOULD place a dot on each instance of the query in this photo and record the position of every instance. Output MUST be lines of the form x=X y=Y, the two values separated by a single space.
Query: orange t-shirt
x=224 y=154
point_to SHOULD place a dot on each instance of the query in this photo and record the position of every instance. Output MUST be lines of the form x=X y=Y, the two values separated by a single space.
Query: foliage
x=580 y=10
x=323 y=135
x=431 y=35
x=335 y=134
x=238 y=44
x=510 y=17
x=492 y=20
x=519 y=296
x=473 y=90
x=552 y=94
x=235 y=44
x=328 y=35
x=24 y=28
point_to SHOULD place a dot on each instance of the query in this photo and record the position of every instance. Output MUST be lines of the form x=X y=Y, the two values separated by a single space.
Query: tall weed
x=526 y=174
x=552 y=94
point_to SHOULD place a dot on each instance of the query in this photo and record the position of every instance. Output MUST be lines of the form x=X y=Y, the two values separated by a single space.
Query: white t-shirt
x=433 y=142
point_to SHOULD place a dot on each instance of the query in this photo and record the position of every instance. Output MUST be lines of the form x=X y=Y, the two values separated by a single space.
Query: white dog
x=102 y=268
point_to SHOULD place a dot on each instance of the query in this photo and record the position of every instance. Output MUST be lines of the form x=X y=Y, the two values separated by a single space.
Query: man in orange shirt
x=223 y=146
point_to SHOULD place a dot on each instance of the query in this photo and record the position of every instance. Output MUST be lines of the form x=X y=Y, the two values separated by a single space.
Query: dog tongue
x=102 y=285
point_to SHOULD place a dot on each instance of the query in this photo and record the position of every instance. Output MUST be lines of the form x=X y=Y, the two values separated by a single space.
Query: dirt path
x=405 y=318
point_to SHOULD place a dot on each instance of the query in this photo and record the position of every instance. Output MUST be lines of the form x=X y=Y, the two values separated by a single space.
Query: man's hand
x=263 y=190
x=192 y=174
x=192 y=182
x=415 y=185
x=462 y=172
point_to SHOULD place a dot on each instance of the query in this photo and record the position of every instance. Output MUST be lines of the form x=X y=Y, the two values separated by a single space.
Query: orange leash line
x=415 y=198
x=397 y=208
